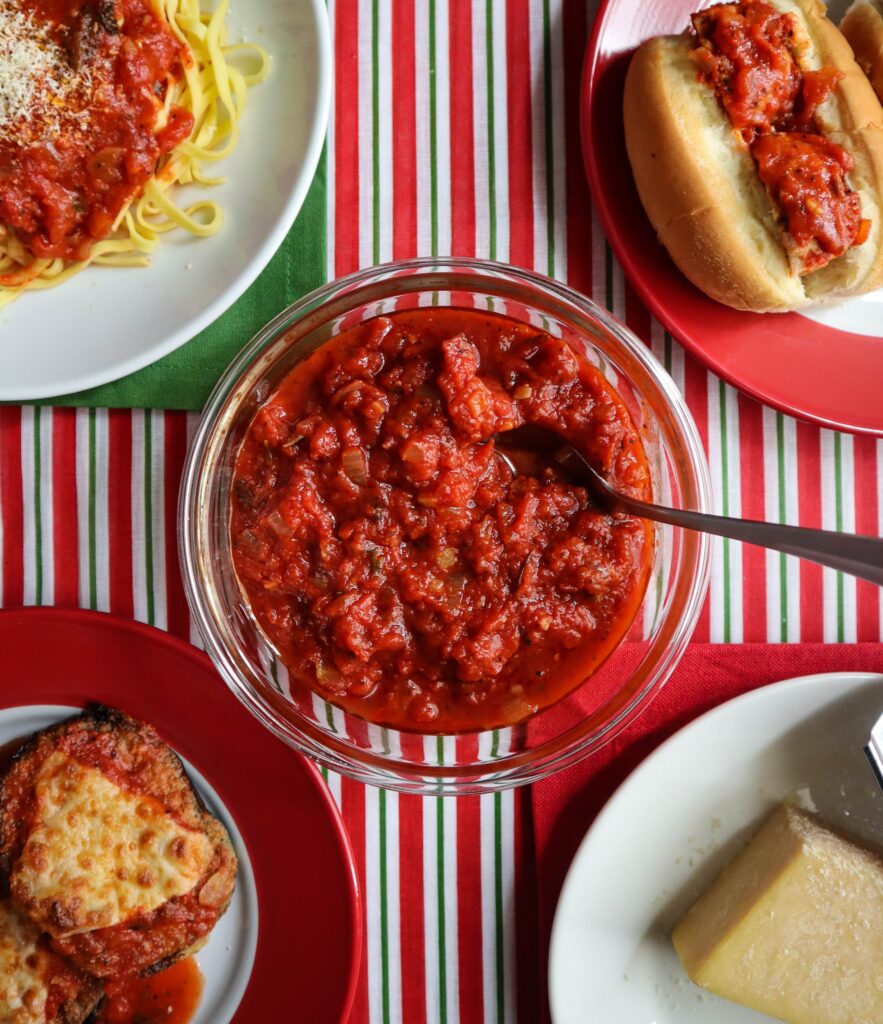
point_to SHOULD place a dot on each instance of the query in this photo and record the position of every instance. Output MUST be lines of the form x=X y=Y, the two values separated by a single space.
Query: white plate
x=679 y=819
x=227 y=958
x=108 y=322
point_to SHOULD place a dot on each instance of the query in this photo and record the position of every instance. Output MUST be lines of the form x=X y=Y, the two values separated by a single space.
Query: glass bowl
x=558 y=736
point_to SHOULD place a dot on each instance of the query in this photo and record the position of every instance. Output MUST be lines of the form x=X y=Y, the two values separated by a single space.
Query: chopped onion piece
x=276 y=522
x=355 y=465
x=447 y=557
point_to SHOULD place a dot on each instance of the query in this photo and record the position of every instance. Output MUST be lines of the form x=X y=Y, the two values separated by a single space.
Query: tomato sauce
x=806 y=175
x=65 y=179
x=63 y=983
x=137 y=943
x=170 y=997
x=747 y=54
x=400 y=567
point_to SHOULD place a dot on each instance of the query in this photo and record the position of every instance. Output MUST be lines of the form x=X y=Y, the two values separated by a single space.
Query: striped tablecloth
x=454 y=131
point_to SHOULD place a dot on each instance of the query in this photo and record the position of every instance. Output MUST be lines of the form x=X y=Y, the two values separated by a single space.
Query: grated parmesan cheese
x=37 y=81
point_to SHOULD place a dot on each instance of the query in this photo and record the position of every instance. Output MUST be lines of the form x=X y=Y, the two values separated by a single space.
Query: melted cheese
x=99 y=855
x=23 y=988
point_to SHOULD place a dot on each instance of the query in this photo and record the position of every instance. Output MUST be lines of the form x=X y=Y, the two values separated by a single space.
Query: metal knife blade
x=874 y=750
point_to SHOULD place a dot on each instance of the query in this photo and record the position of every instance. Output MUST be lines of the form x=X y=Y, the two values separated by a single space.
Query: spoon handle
x=859 y=556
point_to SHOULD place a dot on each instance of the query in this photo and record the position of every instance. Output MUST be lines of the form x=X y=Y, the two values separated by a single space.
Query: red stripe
x=518 y=86
x=867 y=515
x=404 y=129
x=469 y=933
x=696 y=385
x=177 y=614
x=353 y=810
x=346 y=138
x=119 y=511
x=462 y=130
x=65 y=527
x=809 y=506
x=11 y=506
x=579 y=216
x=411 y=917
x=754 y=582
x=530 y=977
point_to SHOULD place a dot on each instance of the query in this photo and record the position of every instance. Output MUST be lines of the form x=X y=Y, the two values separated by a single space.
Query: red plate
x=803 y=367
x=309 y=913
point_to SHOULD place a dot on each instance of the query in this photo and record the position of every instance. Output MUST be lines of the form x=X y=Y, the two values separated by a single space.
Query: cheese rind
x=793 y=927
x=98 y=855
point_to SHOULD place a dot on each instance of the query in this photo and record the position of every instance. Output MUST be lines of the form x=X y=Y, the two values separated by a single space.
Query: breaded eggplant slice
x=107 y=847
x=37 y=985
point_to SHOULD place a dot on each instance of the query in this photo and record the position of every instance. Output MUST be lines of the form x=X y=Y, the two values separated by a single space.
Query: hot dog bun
x=862 y=26
x=700 y=187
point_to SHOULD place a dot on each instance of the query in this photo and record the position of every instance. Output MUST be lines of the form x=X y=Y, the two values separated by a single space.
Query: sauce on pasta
x=106 y=106
x=61 y=193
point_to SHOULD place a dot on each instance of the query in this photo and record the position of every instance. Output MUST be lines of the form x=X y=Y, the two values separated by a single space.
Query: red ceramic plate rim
x=687 y=323
x=193 y=710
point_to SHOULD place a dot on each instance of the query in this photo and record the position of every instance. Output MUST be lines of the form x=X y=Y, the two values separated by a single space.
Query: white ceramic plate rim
x=637 y=780
x=248 y=274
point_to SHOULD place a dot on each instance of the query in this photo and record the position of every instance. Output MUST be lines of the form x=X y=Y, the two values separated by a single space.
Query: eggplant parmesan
x=107 y=848
x=36 y=986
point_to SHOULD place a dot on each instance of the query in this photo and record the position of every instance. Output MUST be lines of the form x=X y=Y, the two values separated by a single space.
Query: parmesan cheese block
x=23 y=985
x=98 y=855
x=793 y=927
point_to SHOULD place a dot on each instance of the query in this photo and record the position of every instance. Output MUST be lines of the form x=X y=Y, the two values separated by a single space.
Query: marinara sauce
x=747 y=54
x=401 y=568
x=170 y=997
x=73 y=161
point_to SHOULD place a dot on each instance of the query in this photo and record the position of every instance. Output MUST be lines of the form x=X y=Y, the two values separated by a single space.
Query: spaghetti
x=105 y=107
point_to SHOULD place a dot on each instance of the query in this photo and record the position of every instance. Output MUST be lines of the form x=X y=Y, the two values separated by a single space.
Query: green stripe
x=148 y=517
x=384 y=911
x=440 y=893
x=783 y=515
x=550 y=156
x=433 y=127
x=498 y=899
x=93 y=540
x=838 y=525
x=725 y=476
x=491 y=151
x=38 y=506
x=375 y=121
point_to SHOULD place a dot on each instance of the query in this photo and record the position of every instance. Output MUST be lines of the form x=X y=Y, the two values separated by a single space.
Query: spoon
x=533 y=446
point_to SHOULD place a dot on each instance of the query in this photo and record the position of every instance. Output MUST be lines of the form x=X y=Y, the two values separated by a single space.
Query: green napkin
x=184 y=378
